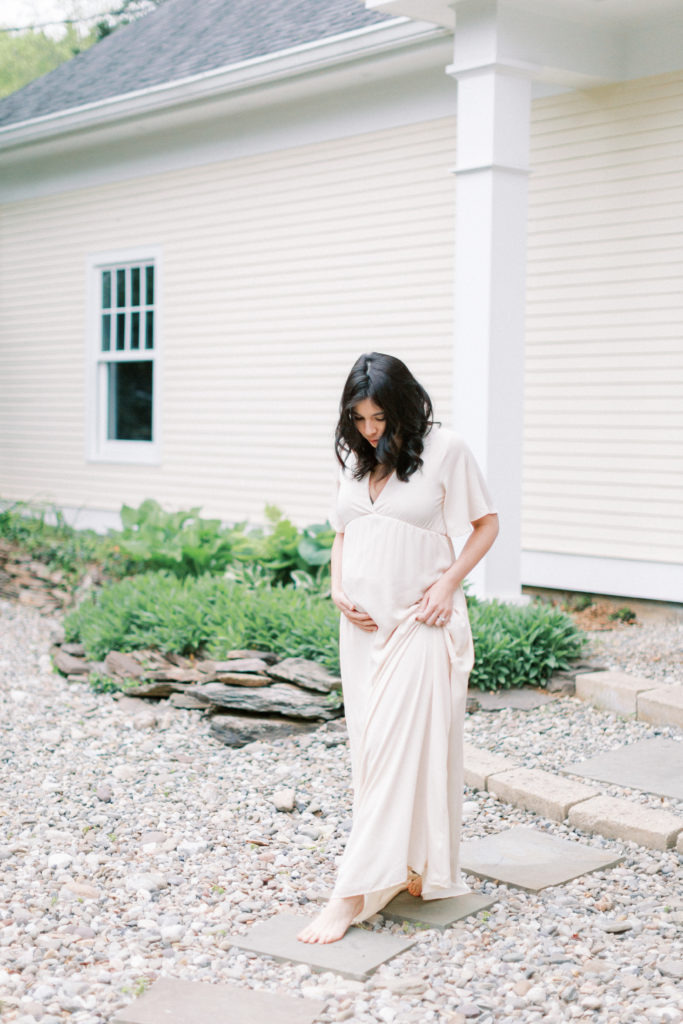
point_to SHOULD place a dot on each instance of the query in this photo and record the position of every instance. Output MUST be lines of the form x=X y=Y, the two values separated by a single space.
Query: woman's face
x=369 y=420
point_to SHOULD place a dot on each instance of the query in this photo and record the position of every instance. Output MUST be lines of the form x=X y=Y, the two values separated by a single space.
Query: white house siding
x=603 y=442
x=278 y=271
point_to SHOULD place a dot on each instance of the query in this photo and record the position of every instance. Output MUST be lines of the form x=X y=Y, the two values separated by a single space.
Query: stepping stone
x=531 y=860
x=186 y=1002
x=652 y=766
x=523 y=698
x=434 y=913
x=355 y=956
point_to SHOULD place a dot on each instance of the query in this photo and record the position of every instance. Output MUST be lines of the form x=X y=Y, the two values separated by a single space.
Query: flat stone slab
x=172 y=1001
x=522 y=698
x=653 y=766
x=279 y=698
x=306 y=673
x=238 y=730
x=355 y=956
x=614 y=691
x=616 y=818
x=434 y=913
x=531 y=860
x=539 y=791
x=663 y=706
x=481 y=764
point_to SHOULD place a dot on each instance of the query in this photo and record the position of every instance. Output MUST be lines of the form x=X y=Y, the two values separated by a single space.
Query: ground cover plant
x=159 y=610
x=521 y=645
x=181 y=542
x=191 y=584
x=513 y=645
x=43 y=532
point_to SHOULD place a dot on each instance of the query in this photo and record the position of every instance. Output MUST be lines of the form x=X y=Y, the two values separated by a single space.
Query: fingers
x=435 y=616
x=358 y=618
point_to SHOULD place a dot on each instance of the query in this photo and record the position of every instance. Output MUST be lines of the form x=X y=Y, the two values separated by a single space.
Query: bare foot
x=333 y=921
x=414 y=883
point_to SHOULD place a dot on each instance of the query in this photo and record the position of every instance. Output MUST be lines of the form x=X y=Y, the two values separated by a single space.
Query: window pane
x=135 y=330
x=149 y=335
x=120 y=332
x=135 y=286
x=130 y=401
x=149 y=291
x=120 y=287
x=106 y=332
x=106 y=289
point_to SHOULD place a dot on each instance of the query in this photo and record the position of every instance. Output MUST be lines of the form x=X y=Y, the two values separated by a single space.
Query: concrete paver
x=481 y=764
x=652 y=766
x=663 y=706
x=435 y=913
x=616 y=818
x=522 y=698
x=356 y=956
x=614 y=691
x=538 y=791
x=531 y=860
x=174 y=1001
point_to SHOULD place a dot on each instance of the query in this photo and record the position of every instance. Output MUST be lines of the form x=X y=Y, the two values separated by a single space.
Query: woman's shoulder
x=442 y=441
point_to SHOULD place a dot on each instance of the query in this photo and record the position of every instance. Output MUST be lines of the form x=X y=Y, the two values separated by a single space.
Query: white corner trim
x=296 y=61
x=619 y=577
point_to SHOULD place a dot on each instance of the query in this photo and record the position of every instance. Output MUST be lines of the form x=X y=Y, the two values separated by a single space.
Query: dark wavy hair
x=407 y=410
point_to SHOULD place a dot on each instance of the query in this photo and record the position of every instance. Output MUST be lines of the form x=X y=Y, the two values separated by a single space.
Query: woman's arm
x=342 y=602
x=437 y=601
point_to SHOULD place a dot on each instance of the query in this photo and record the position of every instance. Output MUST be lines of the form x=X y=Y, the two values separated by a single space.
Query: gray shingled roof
x=182 y=38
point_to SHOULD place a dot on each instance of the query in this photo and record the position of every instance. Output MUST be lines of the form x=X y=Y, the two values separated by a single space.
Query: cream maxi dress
x=405 y=684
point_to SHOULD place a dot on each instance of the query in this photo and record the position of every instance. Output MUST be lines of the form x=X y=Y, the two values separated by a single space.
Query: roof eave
x=298 y=61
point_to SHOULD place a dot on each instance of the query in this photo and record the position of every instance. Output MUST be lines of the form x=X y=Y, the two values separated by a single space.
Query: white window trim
x=98 y=447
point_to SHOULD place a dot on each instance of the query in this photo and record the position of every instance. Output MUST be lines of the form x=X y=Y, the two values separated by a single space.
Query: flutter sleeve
x=466 y=495
x=333 y=514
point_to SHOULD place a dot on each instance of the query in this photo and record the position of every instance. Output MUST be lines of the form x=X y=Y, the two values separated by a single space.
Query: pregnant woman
x=406 y=486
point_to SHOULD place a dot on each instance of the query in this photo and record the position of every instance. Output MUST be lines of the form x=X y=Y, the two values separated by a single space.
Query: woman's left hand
x=436 y=606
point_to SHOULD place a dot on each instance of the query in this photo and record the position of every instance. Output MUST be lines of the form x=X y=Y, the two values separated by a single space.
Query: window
x=124 y=400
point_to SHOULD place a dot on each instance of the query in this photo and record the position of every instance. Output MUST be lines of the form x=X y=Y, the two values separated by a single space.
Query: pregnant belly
x=387 y=565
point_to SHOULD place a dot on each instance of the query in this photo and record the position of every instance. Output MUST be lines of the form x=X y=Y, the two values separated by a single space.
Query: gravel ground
x=132 y=845
x=651 y=649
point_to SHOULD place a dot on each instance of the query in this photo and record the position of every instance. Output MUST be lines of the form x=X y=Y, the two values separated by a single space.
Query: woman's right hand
x=353 y=614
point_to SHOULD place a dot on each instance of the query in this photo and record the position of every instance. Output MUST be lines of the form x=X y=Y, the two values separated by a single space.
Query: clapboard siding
x=278 y=270
x=603 y=440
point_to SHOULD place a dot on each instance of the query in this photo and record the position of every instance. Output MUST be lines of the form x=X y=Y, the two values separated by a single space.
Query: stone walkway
x=139 y=858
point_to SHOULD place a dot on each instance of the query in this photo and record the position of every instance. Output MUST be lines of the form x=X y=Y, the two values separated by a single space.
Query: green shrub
x=517 y=645
x=513 y=645
x=623 y=614
x=57 y=544
x=188 y=545
x=183 y=615
x=181 y=542
x=282 y=551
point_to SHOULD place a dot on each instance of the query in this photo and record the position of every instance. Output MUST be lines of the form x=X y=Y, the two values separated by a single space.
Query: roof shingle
x=179 y=39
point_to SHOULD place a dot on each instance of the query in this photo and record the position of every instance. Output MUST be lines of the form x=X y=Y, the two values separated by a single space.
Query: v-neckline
x=379 y=495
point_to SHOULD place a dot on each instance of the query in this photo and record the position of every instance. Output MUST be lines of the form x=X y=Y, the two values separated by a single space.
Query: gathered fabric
x=405 y=684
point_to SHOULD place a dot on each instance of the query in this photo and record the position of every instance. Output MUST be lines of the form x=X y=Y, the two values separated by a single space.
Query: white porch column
x=493 y=115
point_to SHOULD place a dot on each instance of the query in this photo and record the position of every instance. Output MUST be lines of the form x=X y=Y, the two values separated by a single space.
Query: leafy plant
x=281 y=550
x=180 y=541
x=516 y=645
x=43 y=532
x=623 y=614
x=161 y=611
x=101 y=683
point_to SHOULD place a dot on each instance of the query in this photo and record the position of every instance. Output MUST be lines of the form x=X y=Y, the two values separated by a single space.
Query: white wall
x=278 y=272
x=603 y=439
